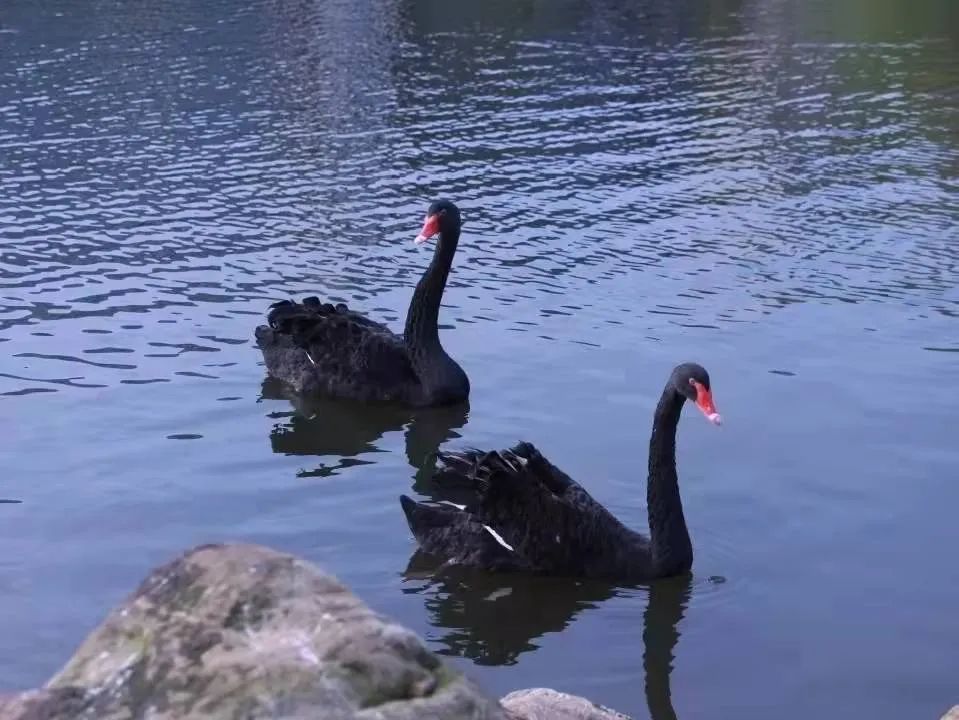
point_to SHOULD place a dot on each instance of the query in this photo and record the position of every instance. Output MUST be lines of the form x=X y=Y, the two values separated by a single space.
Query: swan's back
x=548 y=522
x=323 y=348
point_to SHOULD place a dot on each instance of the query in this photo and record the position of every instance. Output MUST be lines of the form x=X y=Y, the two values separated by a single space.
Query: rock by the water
x=546 y=704
x=241 y=632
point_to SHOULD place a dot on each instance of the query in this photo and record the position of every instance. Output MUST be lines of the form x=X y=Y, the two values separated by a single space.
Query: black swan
x=525 y=514
x=323 y=349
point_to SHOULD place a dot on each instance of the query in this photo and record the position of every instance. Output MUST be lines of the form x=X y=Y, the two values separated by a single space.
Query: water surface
x=768 y=188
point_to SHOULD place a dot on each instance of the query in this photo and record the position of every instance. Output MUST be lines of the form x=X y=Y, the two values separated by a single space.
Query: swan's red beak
x=704 y=401
x=431 y=227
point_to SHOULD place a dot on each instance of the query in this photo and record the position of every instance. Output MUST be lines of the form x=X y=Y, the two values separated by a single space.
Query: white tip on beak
x=715 y=418
x=431 y=228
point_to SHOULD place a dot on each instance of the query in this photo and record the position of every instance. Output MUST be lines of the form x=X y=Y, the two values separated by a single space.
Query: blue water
x=766 y=188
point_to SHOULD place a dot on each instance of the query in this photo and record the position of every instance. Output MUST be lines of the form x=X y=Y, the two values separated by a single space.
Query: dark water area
x=768 y=188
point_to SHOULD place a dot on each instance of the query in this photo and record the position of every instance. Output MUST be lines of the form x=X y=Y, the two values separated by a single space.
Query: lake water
x=768 y=188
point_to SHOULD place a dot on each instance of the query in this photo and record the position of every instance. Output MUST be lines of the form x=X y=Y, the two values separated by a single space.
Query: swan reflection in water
x=668 y=600
x=345 y=430
x=493 y=618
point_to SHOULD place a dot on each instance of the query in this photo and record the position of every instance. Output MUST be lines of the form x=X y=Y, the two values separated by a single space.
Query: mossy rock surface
x=241 y=631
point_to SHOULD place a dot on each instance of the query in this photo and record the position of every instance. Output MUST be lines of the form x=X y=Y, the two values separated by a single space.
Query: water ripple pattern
x=767 y=187
x=164 y=176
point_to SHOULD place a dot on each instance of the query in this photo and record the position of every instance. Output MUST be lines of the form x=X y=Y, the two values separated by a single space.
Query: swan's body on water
x=319 y=348
x=528 y=515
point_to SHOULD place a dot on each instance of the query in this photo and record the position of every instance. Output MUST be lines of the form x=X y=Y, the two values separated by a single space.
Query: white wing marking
x=499 y=538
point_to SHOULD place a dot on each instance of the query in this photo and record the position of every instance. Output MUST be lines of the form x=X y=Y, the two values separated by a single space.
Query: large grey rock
x=952 y=714
x=239 y=631
x=546 y=704
x=231 y=632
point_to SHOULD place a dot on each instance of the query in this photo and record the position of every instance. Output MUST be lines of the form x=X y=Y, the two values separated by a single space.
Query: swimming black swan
x=322 y=349
x=525 y=514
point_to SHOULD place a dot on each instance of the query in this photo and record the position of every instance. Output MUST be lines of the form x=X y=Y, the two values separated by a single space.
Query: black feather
x=549 y=522
x=319 y=348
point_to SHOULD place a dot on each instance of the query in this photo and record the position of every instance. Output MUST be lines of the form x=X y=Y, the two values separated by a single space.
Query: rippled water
x=767 y=188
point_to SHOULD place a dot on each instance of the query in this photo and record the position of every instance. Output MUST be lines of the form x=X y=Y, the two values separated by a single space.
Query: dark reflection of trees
x=631 y=19
x=492 y=619
x=343 y=431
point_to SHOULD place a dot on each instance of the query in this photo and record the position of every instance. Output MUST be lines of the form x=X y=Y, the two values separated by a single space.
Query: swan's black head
x=692 y=382
x=442 y=217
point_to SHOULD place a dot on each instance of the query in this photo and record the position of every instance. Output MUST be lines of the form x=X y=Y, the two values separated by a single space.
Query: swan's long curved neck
x=422 y=318
x=672 y=549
